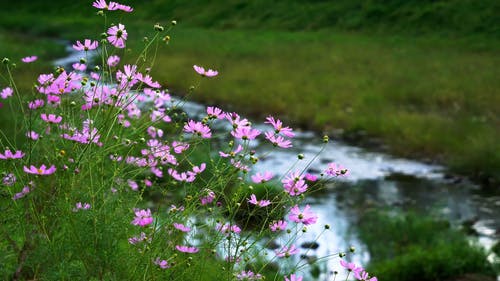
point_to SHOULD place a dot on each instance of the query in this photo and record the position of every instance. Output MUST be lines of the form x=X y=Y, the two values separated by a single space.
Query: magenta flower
x=136 y=239
x=182 y=227
x=364 y=276
x=142 y=217
x=21 y=194
x=148 y=80
x=262 y=203
x=179 y=147
x=262 y=178
x=35 y=104
x=245 y=133
x=100 y=4
x=294 y=184
x=336 y=170
x=163 y=264
x=9 y=155
x=278 y=127
x=293 y=277
x=248 y=275
x=7 y=92
x=278 y=140
x=350 y=266
x=113 y=61
x=32 y=135
x=117 y=35
x=208 y=73
x=198 y=128
x=286 y=252
x=208 y=198
x=278 y=225
x=40 y=171
x=29 y=59
x=187 y=249
x=231 y=153
x=86 y=46
x=227 y=228
x=311 y=177
x=81 y=206
x=51 y=118
x=306 y=217
x=215 y=113
x=79 y=66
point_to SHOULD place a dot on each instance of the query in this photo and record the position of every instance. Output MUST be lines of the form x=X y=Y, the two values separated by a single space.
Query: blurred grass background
x=421 y=76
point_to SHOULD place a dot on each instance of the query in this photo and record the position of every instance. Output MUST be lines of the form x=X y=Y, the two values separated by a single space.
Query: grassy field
x=422 y=77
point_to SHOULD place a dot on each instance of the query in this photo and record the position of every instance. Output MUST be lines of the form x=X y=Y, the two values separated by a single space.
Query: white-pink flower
x=207 y=73
x=29 y=59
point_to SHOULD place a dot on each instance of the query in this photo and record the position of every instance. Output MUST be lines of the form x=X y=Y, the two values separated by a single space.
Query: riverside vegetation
x=87 y=145
x=419 y=75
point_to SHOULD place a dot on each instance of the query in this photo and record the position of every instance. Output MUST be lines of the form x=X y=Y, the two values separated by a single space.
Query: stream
x=376 y=180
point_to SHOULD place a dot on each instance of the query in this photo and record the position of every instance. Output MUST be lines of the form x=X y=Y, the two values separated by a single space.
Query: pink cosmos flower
x=9 y=155
x=125 y=8
x=209 y=198
x=227 y=228
x=306 y=217
x=293 y=277
x=364 y=276
x=148 y=80
x=7 y=92
x=182 y=177
x=9 y=180
x=236 y=121
x=278 y=225
x=142 y=217
x=245 y=133
x=113 y=61
x=248 y=275
x=215 y=112
x=232 y=153
x=136 y=239
x=286 y=252
x=35 y=104
x=81 y=206
x=311 y=177
x=79 y=66
x=21 y=194
x=117 y=35
x=51 y=118
x=29 y=59
x=179 y=147
x=209 y=73
x=278 y=127
x=32 y=135
x=278 y=140
x=132 y=184
x=182 y=227
x=336 y=170
x=294 y=184
x=186 y=249
x=198 y=128
x=40 y=171
x=262 y=178
x=163 y=264
x=100 y=4
x=86 y=46
x=350 y=266
x=262 y=203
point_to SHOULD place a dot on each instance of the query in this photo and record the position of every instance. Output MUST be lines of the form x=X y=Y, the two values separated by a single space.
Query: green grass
x=409 y=247
x=420 y=76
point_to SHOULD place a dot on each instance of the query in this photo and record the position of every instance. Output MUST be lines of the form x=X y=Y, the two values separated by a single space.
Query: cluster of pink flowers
x=142 y=218
x=278 y=136
x=294 y=184
x=248 y=275
x=81 y=206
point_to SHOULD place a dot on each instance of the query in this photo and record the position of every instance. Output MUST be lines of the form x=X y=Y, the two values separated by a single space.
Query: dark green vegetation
x=420 y=75
x=410 y=247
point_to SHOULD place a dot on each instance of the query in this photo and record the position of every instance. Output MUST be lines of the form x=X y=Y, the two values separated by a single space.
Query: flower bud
x=158 y=27
x=325 y=139
x=300 y=156
x=174 y=22
x=83 y=60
